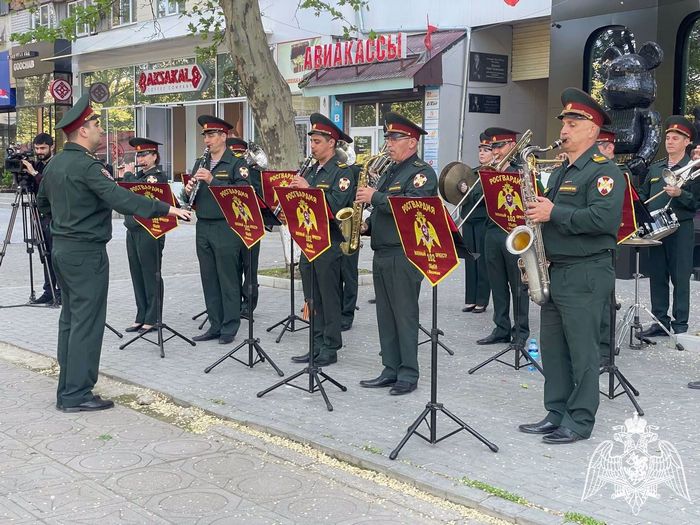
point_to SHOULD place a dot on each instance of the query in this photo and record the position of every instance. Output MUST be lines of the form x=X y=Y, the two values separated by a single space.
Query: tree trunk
x=268 y=93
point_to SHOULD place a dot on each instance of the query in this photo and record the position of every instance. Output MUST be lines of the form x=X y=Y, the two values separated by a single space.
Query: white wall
x=450 y=101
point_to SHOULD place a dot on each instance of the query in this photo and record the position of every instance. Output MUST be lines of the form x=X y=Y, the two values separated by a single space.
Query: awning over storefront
x=421 y=67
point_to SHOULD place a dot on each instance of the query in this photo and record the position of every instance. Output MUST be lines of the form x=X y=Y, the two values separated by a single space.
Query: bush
x=6 y=180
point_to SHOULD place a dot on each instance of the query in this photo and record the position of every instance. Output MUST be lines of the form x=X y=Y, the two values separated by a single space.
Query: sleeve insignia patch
x=344 y=184
x=106 y=173
x=605 y=185
x=151 y=178
x=243 y=170
x=419 y=180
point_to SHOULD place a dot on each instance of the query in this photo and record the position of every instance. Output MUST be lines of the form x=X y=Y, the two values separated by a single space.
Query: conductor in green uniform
x=580 y=216
x=674 y=258
x=80 y=194
x=396 y=281
x=144 y=252
x=334 y=177
x=218 y=247
x=251 y=173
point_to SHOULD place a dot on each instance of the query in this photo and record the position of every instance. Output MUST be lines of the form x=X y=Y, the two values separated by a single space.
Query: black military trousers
x=49 y=273
x=82 y=270
x=245 y=300
x=476 y=279
x=219 y=254
x=570 y=328
x=397 y=288
x=145 y=256
x=672 y=260
x=349 y=281
x=506 y=284
x=326 y=296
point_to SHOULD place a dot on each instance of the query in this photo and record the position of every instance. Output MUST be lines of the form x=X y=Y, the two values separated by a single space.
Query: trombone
x=677 y=178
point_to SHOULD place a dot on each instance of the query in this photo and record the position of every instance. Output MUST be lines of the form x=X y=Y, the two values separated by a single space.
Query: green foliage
x=495 y=491
x=332 y=8
x=66 y=28
x=575 y=517
x=6 y=180
x=105 y=437
x=619 y=37
x=691 y=86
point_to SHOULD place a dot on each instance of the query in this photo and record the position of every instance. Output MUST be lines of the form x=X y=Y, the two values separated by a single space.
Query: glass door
x=366 y=141
x=155 y=122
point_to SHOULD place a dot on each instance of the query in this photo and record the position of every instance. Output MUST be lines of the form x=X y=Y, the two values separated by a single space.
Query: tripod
x=610 y=367
x=32 y=235
x=289 y=321
x=160 y=325
x=631 y=322
x=252 y=343
x=315 y=373
x=433 y=407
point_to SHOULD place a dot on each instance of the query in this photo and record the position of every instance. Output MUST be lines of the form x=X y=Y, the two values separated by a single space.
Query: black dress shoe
x=345 y=327
x=97 y=403
x=143 y=330
x=207 y=336
x=562 y=436
x=44 y=298
x=302 y=358
x=372 y=301
x=479 y=310
x=325 y=359
x=134 y=328
x=402 y=387
x=654 y=330
x=493 y=339
x=377 y=382
x=469 y=308
x=541 y=427
x=226 y=339
x=694 y=384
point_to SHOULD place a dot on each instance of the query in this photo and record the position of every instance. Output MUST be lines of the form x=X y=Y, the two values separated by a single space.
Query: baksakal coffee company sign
x=178 y=79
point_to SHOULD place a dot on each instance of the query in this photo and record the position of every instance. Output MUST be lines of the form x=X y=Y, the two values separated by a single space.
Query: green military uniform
x=476 y=280
x=674 y=258
x=349 y=275
x=80 y=194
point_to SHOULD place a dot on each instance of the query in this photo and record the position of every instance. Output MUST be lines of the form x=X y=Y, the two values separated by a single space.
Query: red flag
x=240 y=207
x=156 y=226
x=428 y=40
x=511 y=2
x=502 y=197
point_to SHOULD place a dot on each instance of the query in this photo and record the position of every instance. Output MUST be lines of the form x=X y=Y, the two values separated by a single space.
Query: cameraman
x=43 y=151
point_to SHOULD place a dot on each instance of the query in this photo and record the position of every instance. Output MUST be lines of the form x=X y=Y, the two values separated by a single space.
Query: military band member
x=335 y=178
x=80 y=195
x=674 y=258
x=502 y=266
x=476 y=279
x=580 y=215
x=349 y=276
x=396 y=281
x=218 y=247
x=252 y=174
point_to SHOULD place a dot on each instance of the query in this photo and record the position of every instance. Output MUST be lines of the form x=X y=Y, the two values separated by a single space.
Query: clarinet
x=205 y=163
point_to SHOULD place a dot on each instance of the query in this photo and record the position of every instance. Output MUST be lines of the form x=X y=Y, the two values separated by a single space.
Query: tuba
x=350 y=218
x=255 y=156
x=526 y=240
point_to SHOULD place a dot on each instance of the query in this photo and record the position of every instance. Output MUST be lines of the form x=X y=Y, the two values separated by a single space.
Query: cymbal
x=640 y=242
x=452 y=177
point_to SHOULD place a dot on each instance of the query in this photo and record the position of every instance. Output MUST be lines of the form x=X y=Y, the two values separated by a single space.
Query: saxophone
x=205 y=163
x=350 y=218
x=526 y=240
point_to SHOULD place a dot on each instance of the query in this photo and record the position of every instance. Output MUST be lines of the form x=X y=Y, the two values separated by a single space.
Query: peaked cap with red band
x=144 y=144
x=579 y=104
x=322 y=125
x=210 y=123
x=396 y=123
x=236 y=144
x=501 y=135
x=680 y=124
x=606 y=135
x=78 y=115
x=484 y=141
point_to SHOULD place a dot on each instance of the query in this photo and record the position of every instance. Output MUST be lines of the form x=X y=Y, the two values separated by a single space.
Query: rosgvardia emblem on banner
x=239 y=204
x=502 y=198
x=307 y=219
x=425 y=235
x=157 y=226
x=272 y=180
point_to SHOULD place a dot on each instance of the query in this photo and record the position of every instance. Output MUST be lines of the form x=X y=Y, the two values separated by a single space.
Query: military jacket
x=224 y=175
x=684 y=205
x=151 y=175
x=252 y=175
x=410 y=178
x=80 y=194
x=336 y=180
x=588 y=197
x=479 y=214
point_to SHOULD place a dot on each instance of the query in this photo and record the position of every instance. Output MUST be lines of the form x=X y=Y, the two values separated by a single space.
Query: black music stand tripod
x=433 y=407
x=160 y=325
x=288 y=323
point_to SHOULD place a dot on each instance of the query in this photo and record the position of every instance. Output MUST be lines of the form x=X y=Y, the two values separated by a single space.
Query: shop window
x=123 y=12
x=80 y=29
x=600 y=40
x=687 y=67
x=411 y=109
x=170 y=7
x=43 y=16
x=363 y=115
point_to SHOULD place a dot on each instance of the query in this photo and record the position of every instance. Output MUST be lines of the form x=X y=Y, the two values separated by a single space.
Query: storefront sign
x=290 y=61
x=99 y=92
x=486 y=67
x=356 y=52
x=172 y=80
x=484 y=103
x=60 y=90
x=27 y=60
x=7 y=94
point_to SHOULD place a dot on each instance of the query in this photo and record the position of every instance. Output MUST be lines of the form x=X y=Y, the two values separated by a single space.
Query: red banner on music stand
x=307 y=219
x=425 y=235
x=240 y=207
x=502 y=197
x=272 y=180
x=157 y=226
x=628 y=224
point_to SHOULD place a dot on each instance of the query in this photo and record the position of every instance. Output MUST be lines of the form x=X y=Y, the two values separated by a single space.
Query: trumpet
x=346 y=152
x=205 y=163
x=255 y=156
x=677 y=178
x=308 y=164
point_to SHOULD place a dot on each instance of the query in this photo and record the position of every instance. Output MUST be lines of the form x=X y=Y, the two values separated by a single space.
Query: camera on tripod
x=14 y=164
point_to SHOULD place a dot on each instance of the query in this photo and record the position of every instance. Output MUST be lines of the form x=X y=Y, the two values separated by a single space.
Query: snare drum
x=665 y=223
